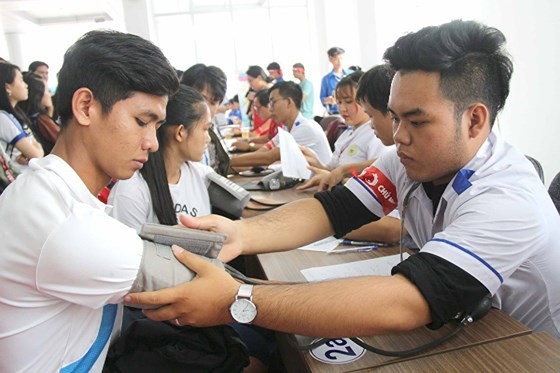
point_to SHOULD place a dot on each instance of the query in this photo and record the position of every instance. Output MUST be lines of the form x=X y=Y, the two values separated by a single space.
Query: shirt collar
x=67 y=174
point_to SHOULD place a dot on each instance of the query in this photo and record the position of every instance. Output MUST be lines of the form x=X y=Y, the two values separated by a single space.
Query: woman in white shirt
x=15 y=136
x=172 y=181
x=357 y=145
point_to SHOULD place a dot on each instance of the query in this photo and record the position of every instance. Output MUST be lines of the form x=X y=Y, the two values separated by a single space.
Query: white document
x=326 y=244
x=294 y=163
x=370 y=267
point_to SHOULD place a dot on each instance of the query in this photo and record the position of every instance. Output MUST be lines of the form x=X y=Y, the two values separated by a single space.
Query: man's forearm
x=258 y=158
x=297 y=224
x=342 y=308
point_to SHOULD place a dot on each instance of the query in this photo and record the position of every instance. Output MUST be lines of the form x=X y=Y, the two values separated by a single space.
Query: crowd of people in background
x=30 y=123
x=145 y=139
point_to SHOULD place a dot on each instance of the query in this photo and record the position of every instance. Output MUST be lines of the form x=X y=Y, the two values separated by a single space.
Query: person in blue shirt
x=329 y=82
x=275 y=72
x=234 y=116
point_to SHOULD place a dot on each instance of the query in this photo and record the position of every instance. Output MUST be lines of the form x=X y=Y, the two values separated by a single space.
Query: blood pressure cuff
x=159 y=269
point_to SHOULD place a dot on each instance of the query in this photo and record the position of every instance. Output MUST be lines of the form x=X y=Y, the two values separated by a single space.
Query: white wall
x=532 y=29
x=365 y=28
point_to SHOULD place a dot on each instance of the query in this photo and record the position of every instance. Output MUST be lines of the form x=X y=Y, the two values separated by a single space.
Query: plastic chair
x=334 y=130
x=554 y=191
x=538 y=167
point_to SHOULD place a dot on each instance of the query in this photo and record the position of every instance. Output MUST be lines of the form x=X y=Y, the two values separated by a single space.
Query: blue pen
x=364 y=243
x=354 y=249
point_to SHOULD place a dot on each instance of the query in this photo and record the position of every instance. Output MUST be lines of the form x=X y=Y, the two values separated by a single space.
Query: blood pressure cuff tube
x=159 y=269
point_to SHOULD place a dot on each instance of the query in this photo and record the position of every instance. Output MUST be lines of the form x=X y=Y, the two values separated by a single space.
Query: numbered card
x=338 y=351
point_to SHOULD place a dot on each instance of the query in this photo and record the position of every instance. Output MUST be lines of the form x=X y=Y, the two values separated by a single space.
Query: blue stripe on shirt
x=105 y=330
x=471 y=254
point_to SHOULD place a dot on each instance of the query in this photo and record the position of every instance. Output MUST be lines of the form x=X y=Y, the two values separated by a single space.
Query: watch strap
x=245 y=292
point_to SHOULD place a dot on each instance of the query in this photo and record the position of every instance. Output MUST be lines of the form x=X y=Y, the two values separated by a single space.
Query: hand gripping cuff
x=159 y=269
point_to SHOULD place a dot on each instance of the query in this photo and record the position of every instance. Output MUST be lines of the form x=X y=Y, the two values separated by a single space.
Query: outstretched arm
x=285 y=228
x=342 y=308
x=262 y=157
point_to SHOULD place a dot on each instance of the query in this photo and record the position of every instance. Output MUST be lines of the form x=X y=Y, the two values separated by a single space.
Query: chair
x=334 y=130
x=538 y=167
x=554 y=191
x=325 y=121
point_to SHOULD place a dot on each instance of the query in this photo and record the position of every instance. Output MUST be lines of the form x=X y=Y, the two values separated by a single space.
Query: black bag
x=152 y=346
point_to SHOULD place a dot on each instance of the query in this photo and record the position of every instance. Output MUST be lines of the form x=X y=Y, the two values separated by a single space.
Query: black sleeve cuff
x=344 y=209
x=448 y=289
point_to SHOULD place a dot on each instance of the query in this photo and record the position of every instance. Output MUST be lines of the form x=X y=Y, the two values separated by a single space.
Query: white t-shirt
x=356 y=145
x=10 y=133
x=64 y=267
x=495 y=221
x=132 y=202
x=308 y=133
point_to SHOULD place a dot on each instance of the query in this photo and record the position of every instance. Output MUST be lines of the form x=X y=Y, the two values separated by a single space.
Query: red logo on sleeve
x=381 y=186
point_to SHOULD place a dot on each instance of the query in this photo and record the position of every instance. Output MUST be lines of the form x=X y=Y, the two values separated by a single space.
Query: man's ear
x=478 y=120
x=82 y=106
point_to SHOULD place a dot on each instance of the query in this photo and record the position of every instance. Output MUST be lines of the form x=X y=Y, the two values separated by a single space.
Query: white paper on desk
x=294 y=163
x=326 y=244
x=370 y=267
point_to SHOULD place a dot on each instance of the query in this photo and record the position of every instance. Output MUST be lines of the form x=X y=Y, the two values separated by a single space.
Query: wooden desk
x=276 y=196
x=536 y=352
x=286 y=266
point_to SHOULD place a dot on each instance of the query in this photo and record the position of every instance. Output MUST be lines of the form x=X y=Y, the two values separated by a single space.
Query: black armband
x=344 y=209
x=448 y=289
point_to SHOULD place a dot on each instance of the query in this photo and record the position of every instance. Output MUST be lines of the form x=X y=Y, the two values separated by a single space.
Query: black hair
x=36 y=89
x=234 y=99
x=256 y=71
x=374 y=87
x=113 y=65
x=35 y=65
x=262 y=97
x=469 y=56
x=335 y=51
x=299 y=65
x=7 y=76
x=349 y=81
x=186 y=107
x=202 y=77
x=289 y=89
x=273 y=66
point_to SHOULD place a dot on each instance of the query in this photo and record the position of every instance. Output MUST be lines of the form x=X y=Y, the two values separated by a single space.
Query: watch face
x=243 y=311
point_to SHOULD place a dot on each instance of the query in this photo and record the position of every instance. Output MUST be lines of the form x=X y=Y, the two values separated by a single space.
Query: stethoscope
x=404 y=210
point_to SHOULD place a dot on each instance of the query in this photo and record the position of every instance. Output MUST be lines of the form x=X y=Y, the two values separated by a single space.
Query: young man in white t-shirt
x=285 y=102
x=65 y=265
x=476 y=207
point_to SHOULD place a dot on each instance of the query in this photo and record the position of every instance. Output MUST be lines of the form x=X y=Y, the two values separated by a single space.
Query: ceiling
x=21 y=15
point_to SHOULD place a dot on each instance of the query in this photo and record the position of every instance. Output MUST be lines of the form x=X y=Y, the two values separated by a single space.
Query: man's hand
x=204 y=301
x=334 y=178
x=329 y=100
x=311 y=157
x=241 y=145
x=215 y=223
x=316 y=180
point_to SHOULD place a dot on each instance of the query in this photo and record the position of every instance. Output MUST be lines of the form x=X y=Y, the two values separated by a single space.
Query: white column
x=367 y=30
x=138 y=18
x=15 y=52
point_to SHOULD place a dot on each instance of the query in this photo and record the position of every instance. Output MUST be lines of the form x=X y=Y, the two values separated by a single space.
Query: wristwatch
x=243 y=310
